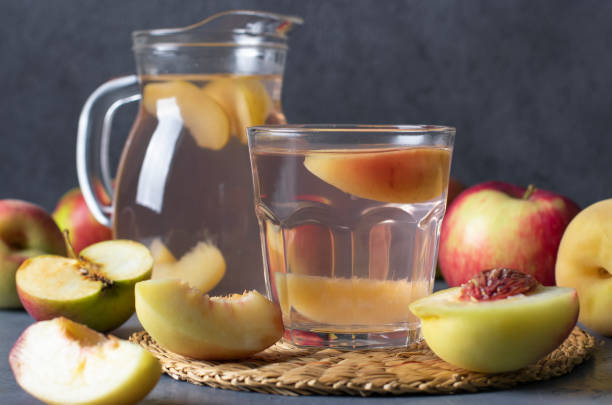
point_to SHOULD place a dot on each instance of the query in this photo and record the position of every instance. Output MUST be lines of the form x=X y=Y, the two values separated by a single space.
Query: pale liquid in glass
x=174 y=190
x=345 y=268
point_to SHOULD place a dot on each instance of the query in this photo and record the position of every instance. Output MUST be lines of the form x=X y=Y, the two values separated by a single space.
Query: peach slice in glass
x=244 y=99
x=202 y=267
x=188 y=322
x=398 y=176
x=343 y=301
x=204 y=118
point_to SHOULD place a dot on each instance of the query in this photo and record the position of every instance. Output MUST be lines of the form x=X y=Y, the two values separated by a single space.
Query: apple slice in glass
x=399 y=176
x=204 y=118
x=63 y=362
x=245 y=100
x=202 y=267
x=95 y=288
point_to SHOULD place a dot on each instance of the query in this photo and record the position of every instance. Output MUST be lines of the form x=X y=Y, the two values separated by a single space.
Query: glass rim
x=302 y=129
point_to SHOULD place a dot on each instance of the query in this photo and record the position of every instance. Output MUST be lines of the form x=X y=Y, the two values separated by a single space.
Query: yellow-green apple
x=501 y=320
x=62 y=362
x=72 y=214
x=95 y=288
x=496 y=224
x=184 y=320
x=585 y=263
x=26 y=230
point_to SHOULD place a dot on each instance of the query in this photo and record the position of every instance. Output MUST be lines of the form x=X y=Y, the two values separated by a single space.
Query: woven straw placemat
x=286 y=370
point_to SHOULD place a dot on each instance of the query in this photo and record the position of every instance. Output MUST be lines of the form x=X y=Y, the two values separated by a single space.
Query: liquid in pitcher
x=351 y=238
x=185 y=184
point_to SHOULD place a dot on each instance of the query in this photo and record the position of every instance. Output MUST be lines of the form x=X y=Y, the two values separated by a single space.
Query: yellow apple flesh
x=202 y=267
x=186 y=321
x=584 y=261
x=204 y=118
x=97 y=289
x=245 y=100
x=398 y=176
x=63 y=362
x=500 y=335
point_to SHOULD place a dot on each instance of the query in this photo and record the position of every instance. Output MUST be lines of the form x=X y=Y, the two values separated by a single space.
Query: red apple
x=26 y=230
x=73 y=214
x=496 y=224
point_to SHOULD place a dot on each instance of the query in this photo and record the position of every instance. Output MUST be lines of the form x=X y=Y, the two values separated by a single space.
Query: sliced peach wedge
x=202 y=267
x=186 y=321
x=244 y=99
x=398 y=176
x=204 y=118
x=499 y=321
x=63 y=362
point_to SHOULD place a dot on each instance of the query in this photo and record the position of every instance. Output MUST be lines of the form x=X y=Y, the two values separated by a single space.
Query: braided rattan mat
x=287 y=370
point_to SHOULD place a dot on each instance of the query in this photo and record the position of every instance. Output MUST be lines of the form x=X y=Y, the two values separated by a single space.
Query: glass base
x=352 y=341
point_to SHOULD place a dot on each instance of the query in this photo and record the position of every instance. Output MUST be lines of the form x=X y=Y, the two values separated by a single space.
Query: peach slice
x=244 y=99
x=499 y=335
x=584 y=262
x=343 y=301
x=63 y=362
x=202 y=267
x=160 y=252
x=204 y=118
x=188 y=322
x=397 y=176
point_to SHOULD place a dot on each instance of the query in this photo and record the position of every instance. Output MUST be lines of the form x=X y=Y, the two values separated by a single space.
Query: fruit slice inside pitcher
x=399 y=176
x=244 y=99
x=343 y=301
x=205 y=119
x=202 y=267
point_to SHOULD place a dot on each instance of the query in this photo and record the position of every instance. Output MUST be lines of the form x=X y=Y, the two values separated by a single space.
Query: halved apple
x=186 y=321
x=202 y=267
x=63 y=362
x=399 y=176
x=244 y=99
x=344 y=301
x=96 y=288
x=204 y=118
x=500 y=335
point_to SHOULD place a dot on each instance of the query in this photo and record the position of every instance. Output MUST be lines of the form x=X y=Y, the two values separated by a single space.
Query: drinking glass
x=349 y=219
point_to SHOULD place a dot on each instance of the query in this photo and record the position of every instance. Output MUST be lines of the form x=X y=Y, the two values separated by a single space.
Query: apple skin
x=72 y=213
x=585 y=263
x=490 y=225
x=26 y=230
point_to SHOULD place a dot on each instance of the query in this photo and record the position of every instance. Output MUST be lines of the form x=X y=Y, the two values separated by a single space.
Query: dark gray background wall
x=527 y=84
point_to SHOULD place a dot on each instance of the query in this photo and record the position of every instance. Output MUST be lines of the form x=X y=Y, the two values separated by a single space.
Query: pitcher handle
x=95 y=124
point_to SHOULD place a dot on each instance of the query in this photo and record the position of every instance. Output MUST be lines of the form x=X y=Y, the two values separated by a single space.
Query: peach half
x=344 y=301
x=584 y=261
x=245 y=100
x=398 y=176
x=202 y=267
x=500 y=335
x=183 y=100
x=186 y=321
x=63 y=362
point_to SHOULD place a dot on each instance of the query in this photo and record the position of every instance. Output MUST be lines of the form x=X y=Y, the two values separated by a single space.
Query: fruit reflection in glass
x=349 y=220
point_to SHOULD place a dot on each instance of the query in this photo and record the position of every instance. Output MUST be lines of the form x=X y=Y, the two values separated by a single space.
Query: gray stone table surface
x=589 y=383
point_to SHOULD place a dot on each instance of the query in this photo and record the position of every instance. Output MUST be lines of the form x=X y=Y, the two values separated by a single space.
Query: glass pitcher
x=183 y=186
